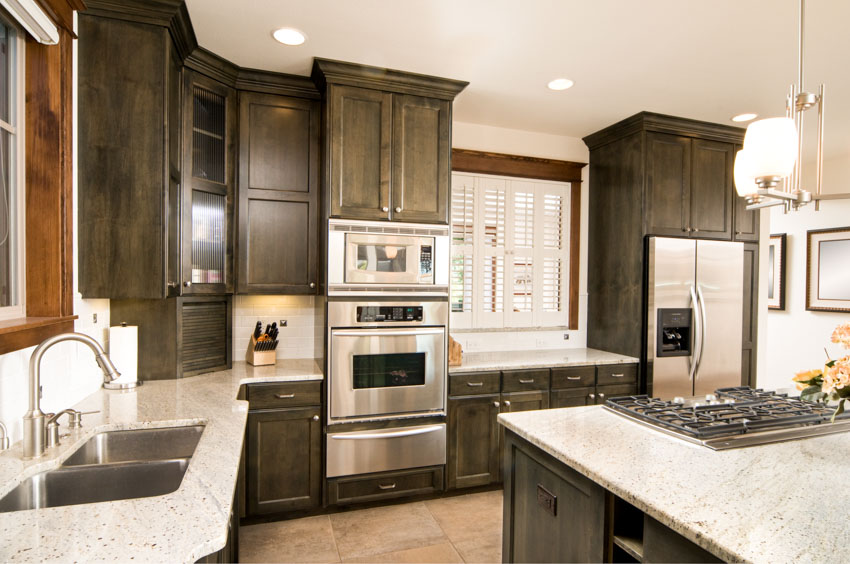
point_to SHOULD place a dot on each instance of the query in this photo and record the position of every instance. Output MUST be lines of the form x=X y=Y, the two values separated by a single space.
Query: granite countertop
x=771 y=503
x=513 y=360
x=178 y=527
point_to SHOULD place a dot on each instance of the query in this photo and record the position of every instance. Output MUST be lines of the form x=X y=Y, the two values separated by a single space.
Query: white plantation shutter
x=493 y=204
x=510 y=252
x=463 y=240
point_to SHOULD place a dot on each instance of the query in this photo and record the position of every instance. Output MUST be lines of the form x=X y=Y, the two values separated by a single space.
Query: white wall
x=527 y=143
x=795 y=338
x=303 y=336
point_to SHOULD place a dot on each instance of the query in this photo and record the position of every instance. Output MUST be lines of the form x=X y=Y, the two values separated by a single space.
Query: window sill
x=23 y=332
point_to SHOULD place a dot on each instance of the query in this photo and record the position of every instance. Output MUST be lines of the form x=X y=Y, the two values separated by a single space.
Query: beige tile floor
x=464 y=528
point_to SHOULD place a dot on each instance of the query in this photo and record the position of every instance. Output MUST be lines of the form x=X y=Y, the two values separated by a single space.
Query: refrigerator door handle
x=697 y=336
x=703 y=327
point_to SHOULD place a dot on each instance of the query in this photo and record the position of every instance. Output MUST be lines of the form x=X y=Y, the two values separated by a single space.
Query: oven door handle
x=388 y=434
x=387 y=332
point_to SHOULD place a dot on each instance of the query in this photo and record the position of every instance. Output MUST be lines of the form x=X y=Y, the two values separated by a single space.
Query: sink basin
x=92 y=484
x=138 y=444
x=111 y=466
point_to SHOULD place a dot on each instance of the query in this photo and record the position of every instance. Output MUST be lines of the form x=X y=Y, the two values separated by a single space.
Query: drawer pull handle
x=526 y=381
x=619 y=375
x=386 y=486
x=284 y=396
x=573 y=377
x=475 y=384
x=387 y=434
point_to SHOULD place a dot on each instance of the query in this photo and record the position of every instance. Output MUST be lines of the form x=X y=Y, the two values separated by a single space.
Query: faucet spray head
x=110 y=373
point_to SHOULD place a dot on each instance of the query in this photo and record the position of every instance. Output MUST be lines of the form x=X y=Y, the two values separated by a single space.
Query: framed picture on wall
x=776 y=272
x=828 y=269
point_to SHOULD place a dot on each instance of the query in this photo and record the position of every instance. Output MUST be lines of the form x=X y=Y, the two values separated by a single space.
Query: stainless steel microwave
x=366 y=257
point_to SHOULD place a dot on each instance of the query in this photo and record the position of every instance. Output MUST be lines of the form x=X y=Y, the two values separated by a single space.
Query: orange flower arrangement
x=833 y=381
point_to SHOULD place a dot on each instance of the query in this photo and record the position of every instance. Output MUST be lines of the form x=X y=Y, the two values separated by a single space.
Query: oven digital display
x=388 y=370
x=378 y=314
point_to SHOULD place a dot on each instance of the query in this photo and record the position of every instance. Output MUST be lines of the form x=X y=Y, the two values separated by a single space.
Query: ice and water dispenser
x=674 y=332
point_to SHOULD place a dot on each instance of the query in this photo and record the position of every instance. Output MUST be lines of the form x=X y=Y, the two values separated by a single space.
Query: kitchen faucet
x=34 y=424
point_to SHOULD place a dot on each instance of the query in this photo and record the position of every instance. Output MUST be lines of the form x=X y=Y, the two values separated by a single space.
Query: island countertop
x=182 y=526
x=780 y=502
x=544 y=358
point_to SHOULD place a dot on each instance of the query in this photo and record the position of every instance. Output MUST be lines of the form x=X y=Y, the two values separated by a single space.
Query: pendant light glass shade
x=771 y=146
x=745 y=180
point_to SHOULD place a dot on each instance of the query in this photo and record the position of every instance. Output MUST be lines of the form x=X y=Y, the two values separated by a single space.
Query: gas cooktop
x=732 y=417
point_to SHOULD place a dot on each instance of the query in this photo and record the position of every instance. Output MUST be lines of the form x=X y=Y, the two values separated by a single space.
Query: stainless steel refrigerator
x=695 y=308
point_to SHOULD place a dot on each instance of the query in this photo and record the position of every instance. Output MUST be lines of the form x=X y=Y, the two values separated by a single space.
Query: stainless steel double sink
x=111 y=466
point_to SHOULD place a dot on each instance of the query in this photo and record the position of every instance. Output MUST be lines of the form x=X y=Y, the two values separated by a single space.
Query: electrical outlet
x=94 y=318
x=282 y=323
x=566 y=336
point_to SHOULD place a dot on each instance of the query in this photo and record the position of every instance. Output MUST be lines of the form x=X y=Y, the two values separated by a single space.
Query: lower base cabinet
x=473 y=439
x=284 y=459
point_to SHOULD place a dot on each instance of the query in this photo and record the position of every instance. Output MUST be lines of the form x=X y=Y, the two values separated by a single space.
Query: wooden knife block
x=259 y=358
x=455 y=352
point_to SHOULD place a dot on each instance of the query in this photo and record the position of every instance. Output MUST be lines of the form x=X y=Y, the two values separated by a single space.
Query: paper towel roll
x=124 y=352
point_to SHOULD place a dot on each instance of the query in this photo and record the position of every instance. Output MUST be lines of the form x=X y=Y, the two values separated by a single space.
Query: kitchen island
x=182 y=526
x=624 y=487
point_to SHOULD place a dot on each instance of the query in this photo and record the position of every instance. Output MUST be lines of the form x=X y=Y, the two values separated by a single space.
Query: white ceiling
x=702 y=59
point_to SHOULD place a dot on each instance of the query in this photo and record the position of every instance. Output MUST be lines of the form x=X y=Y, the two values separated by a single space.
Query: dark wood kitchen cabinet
x=653 y=174
x=387 y=142
x=209 y=171
x=473 y=457
x=278 y=194
x=130 y=87
x=283 y=448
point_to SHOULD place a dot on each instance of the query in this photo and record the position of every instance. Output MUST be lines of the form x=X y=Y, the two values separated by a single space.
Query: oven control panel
x=378 y=314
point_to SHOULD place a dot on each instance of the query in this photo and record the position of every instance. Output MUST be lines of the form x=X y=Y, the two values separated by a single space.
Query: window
x=510 y=252
x=11 y=172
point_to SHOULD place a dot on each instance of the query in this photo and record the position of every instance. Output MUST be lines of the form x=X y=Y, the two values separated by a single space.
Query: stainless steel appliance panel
x=387 y=259
x=379 y=450
x=720 y=291
x=672 y=265
x=381 y=372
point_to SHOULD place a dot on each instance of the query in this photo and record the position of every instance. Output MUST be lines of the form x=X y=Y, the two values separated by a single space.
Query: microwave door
x=382 y=259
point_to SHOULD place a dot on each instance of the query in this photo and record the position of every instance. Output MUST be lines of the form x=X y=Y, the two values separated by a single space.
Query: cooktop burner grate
x=732 y=411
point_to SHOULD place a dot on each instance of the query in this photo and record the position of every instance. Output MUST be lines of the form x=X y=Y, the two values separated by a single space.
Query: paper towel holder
x=122 y=385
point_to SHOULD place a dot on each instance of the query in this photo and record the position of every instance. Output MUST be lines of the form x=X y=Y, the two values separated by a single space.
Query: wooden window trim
x=501 y=164
x=49 y=189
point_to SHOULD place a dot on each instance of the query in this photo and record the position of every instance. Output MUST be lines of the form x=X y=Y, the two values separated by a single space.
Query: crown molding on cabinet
x=327 y=71
x=649 y=121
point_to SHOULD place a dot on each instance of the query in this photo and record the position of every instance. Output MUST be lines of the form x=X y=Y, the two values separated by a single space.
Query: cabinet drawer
x=289 y=394
x=525 y=380
x=616 y=374
x=604 y=393
x=385 y=485
x=473 y=384
x=572 y=397
x=573 y=377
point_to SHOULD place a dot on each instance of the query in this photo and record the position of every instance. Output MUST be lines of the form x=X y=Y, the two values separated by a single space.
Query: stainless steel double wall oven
x=388 y=316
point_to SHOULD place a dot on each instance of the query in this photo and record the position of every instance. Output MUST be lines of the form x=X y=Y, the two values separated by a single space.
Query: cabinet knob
x=507 y=404
x=495 y=404
x=685 y=229
x=315 y=418
x=398 y=210
x=172 y=284
x=312 y=284
x=385 y=209
x=601 y=395
x=187 y=283
x=695 y=229
x=592 y=396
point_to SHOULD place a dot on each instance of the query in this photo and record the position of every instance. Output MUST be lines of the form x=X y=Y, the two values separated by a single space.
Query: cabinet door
x=473 y=457
x=421 y=154
x=284 y=460
x=278 y=194
x=525 y=401
x=209 y=146
x=572 y=397
x=749 y=335
x=360 y=142
x=746 y=222
x=711 y=189
x=668 y=184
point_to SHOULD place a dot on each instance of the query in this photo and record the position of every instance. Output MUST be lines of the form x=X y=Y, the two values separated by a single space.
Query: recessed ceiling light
x=560 y=84
x=289 y=36
x=744 y=117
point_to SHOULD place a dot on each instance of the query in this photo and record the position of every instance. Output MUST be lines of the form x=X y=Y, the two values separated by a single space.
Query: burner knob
x=679 y=399
x=710 y=397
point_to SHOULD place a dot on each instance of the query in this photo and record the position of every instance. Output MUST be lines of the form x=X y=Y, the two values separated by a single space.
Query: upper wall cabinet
x=388 y=142
x=278 y=194
x=209 y=139
x=130 y=87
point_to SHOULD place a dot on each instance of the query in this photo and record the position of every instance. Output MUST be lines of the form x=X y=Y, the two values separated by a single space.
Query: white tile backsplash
x=303 y=336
